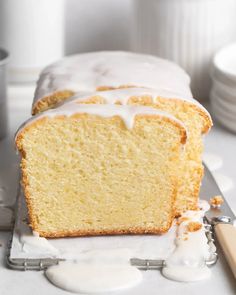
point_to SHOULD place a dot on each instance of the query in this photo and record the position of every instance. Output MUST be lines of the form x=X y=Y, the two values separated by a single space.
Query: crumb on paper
x=185 y=236
x=194 y=226
x=182 y=219
x=216 y=201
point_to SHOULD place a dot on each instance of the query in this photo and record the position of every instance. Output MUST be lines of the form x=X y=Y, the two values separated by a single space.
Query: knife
x=222 y=219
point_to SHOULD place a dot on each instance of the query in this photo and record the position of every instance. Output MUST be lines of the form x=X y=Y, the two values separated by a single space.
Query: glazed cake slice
x=194 y=116
x=100 y=169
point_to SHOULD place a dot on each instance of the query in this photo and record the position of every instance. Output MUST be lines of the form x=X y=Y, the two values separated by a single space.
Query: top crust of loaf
x=97 y=70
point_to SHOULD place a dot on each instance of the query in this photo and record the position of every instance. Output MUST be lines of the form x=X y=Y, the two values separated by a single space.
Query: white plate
x=222 y=103
x=228 y=93
x=224 y=63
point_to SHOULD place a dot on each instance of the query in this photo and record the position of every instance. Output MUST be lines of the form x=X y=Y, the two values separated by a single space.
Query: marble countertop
x=219 y=142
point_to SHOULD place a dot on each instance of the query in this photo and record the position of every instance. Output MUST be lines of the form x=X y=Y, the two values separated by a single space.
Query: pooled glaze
x=187 y=262
x=96 y=272
x=86 y=72
x=28 y=241
x=83 y=278
x=126 y=112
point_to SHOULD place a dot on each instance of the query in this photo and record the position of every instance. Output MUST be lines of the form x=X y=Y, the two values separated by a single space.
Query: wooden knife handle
x=226 y=235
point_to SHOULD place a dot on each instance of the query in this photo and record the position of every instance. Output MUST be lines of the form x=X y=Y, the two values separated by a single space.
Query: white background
x=97 y=25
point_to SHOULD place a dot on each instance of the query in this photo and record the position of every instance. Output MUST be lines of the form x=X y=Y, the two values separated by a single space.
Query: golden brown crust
x=24 y=178
x=81 y=233
x=207 y=119
x=50 y=101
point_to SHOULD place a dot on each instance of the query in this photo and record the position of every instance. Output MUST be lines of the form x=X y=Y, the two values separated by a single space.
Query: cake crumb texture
x=90 y=175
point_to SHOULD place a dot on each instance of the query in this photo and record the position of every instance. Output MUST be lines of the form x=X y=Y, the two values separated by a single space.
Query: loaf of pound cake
x=123 y=159
x=86 y=73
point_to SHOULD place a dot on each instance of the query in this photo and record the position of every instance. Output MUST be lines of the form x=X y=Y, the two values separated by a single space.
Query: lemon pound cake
x=111 y=70
x=100 y=169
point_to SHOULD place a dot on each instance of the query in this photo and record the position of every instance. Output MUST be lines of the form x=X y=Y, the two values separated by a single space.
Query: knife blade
x=222 y=220
x=210 y=189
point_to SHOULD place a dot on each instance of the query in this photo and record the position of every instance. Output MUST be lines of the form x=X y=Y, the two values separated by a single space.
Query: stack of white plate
x=223 y=92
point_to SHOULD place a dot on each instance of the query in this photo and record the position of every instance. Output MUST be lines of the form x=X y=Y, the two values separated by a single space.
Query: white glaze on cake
x=86 y=72
x=123 y=96
x=187 y=262
x=126 y=112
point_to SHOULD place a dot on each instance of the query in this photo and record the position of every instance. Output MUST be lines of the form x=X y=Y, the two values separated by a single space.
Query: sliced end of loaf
x=89 y=175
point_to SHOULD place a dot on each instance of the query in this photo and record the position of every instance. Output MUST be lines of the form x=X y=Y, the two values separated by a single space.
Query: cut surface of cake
x=196 y=119
x=90 y=169
x=111 y=70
